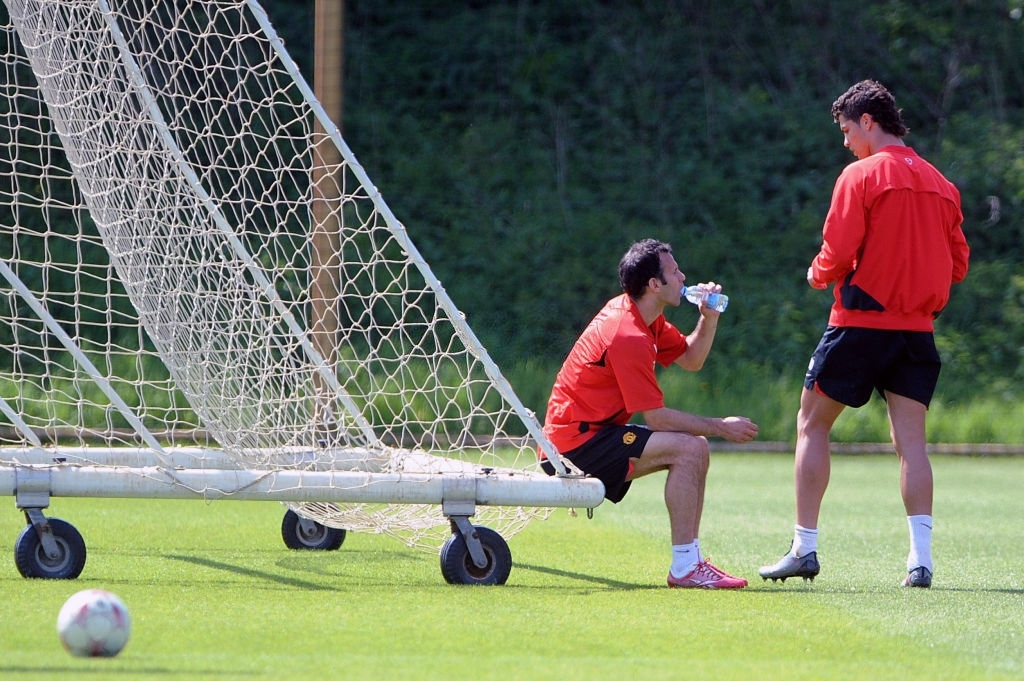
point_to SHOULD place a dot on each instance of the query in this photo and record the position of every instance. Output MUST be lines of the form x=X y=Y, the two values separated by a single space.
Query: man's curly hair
x=870 y=97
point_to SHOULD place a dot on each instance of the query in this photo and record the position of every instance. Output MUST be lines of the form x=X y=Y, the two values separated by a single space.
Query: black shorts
x=606 y=456
x=850 y=362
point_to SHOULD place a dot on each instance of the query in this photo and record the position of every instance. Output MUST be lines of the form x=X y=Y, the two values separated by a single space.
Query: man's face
x=855 y=136
x=672 y=290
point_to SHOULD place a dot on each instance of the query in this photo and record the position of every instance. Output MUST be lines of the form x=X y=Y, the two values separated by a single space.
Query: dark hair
x=870 y=97
x=640 y=263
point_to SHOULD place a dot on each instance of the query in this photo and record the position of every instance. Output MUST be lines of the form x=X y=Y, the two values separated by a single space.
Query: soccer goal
x=204 y=296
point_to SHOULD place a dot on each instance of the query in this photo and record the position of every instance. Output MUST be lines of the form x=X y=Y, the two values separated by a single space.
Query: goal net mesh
x=192 y=257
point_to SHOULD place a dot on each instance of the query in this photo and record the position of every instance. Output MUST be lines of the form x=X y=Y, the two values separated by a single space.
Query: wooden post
x=328 y=81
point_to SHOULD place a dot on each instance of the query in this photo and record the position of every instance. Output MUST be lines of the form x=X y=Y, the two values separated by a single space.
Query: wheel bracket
x=31 y=487
x=458 y=503
x=32 y=495
x=35 y=518
x=469 y=534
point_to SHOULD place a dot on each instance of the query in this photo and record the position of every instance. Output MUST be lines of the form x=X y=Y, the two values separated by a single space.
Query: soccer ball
x=94 y=623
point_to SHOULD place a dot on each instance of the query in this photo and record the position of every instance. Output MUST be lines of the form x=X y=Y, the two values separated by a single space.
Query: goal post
x=159 y=304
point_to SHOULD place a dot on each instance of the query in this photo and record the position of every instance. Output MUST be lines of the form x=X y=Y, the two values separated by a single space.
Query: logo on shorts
x=628 y=438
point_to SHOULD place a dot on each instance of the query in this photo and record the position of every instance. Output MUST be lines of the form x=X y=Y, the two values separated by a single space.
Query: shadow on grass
x=249 y=572
x=603 y=581
x=300 y=561
x=306 y=561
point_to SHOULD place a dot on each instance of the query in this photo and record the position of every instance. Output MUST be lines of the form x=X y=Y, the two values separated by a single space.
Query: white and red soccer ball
x=94 y=623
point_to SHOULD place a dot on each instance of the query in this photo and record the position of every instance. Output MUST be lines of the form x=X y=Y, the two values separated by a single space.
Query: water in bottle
x=716 y=301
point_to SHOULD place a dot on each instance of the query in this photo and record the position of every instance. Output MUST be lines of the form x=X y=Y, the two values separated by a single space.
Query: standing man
x=609 y=376
x=893 y=246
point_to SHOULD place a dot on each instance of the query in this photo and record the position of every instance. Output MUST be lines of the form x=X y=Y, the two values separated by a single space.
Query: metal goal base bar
x=488 y=488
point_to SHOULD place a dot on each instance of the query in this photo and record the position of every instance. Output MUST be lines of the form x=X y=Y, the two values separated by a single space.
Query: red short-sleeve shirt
x=609 y=373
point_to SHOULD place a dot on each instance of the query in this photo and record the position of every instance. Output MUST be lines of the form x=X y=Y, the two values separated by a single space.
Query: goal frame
x=35 y=472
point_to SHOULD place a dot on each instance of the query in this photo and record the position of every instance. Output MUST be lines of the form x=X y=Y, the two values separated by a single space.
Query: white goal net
x=196 y=276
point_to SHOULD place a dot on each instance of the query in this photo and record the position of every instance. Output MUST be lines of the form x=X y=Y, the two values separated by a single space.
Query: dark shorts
x=850 y=362
x=606 y=456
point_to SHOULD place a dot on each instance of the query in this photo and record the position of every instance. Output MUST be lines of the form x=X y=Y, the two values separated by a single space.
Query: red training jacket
x=892 y=243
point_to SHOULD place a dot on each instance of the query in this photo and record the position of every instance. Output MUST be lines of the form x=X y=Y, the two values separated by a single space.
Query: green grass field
x=214 y=593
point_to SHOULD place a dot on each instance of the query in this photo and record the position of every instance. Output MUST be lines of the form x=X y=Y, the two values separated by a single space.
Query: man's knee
x=693 y=450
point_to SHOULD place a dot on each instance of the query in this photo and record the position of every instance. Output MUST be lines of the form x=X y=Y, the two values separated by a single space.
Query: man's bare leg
x=907 y=420
x=811 y=470
x=813 y=466
x=686 y=458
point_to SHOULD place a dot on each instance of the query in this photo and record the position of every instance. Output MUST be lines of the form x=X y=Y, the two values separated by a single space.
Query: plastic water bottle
x=716 y=301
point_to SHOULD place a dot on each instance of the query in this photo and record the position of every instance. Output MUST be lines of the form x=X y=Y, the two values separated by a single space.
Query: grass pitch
x=214 y=594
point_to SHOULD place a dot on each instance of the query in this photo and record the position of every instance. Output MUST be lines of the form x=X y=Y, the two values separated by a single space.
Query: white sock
x=696 y=544
x=920 y=542
x=805 y=540
x=684 y=559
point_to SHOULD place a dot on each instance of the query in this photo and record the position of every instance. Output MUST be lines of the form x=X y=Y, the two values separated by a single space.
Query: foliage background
x=526 y=144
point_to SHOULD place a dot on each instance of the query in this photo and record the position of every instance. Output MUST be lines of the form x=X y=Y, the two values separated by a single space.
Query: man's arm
x=699 y=342
x=732 y=428
x=961 y=254
x=843 y=233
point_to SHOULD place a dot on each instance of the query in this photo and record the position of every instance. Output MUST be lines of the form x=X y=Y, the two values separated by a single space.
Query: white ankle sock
x=920 y=542
x=684 y=558
x=805 y=540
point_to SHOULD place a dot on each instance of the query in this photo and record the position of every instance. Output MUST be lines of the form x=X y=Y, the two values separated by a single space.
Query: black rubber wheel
x=309 y=535
x=458 y=567
x=32 y=560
